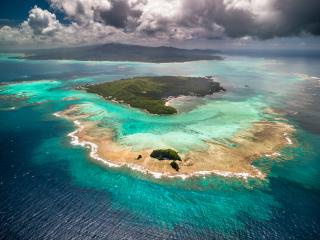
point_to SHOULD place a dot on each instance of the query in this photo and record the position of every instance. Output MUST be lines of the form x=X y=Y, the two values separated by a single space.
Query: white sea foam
x=94 y=149
x=8 y=109
x=306 y=76
x=275 y=154
x=288 y=139
x=57 y=114
x=171 y=99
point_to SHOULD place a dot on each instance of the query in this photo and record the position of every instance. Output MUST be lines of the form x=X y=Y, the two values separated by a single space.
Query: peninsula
x=150 y=93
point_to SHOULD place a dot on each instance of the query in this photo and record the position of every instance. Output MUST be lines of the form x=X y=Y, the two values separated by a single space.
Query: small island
x=151 y=93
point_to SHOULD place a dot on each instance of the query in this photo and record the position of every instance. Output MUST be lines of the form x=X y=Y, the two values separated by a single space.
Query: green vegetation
x=150 y=93
x=165 y=154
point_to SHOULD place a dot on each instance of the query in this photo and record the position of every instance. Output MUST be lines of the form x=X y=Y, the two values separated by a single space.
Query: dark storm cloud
x=243 y=18
x=236 y=22
x=201 y=18
x=118 y=15
x=298 y=16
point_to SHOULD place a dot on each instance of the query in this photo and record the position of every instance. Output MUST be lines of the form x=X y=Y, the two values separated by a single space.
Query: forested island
x=123 y=52
x=151 y=93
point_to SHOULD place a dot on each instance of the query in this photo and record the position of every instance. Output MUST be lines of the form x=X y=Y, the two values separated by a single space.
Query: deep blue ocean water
x=50 y=189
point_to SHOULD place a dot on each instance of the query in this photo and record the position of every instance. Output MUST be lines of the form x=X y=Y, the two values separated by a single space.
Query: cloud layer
x=160 y=21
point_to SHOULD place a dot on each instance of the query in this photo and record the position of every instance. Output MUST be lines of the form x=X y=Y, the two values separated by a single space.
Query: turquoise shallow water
x=213 y=119
x=52 y=189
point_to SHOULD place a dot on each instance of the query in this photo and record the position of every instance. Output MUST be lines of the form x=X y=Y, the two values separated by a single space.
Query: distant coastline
x=122 y=52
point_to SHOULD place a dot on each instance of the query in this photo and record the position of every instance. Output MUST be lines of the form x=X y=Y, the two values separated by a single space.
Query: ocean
x=51 y=189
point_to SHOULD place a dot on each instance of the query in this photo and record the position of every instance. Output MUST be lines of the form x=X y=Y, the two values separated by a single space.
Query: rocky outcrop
x=165 y=154
x=175 y=165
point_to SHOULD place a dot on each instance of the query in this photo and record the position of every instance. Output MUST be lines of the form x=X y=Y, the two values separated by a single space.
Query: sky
x=253 y=24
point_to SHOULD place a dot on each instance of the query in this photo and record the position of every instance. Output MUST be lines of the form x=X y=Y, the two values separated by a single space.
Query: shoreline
x=94 y=155
x=169 y=100
x=218 y=160
x=151 y=93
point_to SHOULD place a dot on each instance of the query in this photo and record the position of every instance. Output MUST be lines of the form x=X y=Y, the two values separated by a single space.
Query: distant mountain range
x=123 y=52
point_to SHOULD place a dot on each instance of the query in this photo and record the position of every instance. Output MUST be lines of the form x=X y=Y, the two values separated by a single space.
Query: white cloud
x=42 y=21
x=81 y=11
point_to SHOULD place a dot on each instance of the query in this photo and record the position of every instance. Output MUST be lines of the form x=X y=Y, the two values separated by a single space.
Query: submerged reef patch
x=262 y=138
